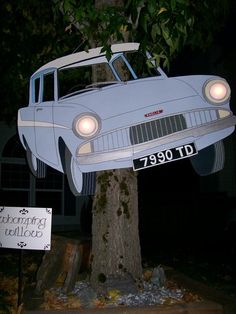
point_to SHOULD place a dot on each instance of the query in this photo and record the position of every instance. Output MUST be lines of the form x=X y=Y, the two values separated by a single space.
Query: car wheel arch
x=62 y=149
x=88 y=179
x=37 y=167
x=209 y=160
x=24 y=141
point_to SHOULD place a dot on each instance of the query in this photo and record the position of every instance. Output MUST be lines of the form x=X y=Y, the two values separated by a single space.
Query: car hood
x=118 y=99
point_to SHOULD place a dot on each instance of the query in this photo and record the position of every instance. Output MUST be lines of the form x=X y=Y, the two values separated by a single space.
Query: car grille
x=151 y=130
x=158 y=128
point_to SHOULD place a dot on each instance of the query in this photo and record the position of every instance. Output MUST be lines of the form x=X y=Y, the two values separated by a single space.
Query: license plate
x=165 y=156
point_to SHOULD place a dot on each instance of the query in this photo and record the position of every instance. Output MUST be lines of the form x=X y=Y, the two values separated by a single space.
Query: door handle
x=39 y=109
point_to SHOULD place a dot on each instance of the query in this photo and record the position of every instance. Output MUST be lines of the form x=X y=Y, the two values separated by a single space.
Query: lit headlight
x=216 y=91
x=86 y=125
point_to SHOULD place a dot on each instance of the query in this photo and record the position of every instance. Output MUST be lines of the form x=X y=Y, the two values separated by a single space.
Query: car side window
x=48 y=87
x=36 y=85
x=141 y=65
x=122 y=69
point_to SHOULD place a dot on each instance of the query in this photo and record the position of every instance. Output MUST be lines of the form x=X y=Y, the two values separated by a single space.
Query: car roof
x=85 y=55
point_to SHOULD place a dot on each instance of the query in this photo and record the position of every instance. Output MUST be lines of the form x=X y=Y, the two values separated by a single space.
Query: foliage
x=34 y=32
x=163 y=26
x=31 y=35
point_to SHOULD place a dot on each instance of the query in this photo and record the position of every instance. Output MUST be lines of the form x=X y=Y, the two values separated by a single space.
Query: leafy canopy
x=31 y=34
x=164 y=26
x=34 y=32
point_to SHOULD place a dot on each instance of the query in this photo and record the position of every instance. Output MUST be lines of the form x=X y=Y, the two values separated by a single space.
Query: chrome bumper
x=131 y=151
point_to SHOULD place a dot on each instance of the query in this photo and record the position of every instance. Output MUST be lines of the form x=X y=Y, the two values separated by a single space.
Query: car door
x=44 y=126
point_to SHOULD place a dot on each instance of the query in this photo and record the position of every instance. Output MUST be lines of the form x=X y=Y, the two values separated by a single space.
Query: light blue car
x=88 y=113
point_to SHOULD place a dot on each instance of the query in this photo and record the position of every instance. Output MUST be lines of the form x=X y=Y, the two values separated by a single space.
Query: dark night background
x=183 y=217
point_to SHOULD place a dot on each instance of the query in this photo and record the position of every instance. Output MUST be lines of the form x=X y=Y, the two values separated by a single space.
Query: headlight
x=86 y=125
x=216 y=91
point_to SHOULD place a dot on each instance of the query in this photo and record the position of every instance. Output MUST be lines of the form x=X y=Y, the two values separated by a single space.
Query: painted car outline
x=110 y=123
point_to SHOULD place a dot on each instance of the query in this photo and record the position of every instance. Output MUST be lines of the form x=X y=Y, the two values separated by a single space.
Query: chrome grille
x=158 y=128
x=154 y=129
x=197 y=118
x=113 y=140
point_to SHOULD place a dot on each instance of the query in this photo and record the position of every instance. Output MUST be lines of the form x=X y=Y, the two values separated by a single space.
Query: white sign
x=25 y=228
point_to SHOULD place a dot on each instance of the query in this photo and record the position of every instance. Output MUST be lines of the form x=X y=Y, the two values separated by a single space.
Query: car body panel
x=134 y=118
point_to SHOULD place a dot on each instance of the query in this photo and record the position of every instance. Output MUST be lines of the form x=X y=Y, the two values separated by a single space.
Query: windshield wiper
x=84 y=90
x=91 y=87
x=102 y=84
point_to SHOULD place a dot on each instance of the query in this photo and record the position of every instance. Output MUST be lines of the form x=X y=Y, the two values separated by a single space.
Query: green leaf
x=143 y=22
x=173 y=4
x=166 y=34
x=151 y=7
x=68 y=5
x=155 y=31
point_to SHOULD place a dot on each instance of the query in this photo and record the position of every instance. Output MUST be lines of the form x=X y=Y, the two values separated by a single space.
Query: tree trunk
x=115 y=233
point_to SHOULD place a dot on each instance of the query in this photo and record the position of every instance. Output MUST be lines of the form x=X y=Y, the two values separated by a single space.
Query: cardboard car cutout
x=88 y=113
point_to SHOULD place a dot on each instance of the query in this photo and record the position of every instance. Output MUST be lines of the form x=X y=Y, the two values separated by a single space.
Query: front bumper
x=109 y=148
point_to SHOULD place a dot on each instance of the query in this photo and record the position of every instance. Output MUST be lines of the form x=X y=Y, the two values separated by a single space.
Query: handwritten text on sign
x=25 y=227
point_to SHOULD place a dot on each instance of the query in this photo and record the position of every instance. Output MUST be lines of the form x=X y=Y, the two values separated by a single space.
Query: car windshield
x=73 y=80
x=141 y=66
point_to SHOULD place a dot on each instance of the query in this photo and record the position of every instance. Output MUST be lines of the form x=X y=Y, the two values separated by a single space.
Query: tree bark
x=115 y=233
x=60 y=265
